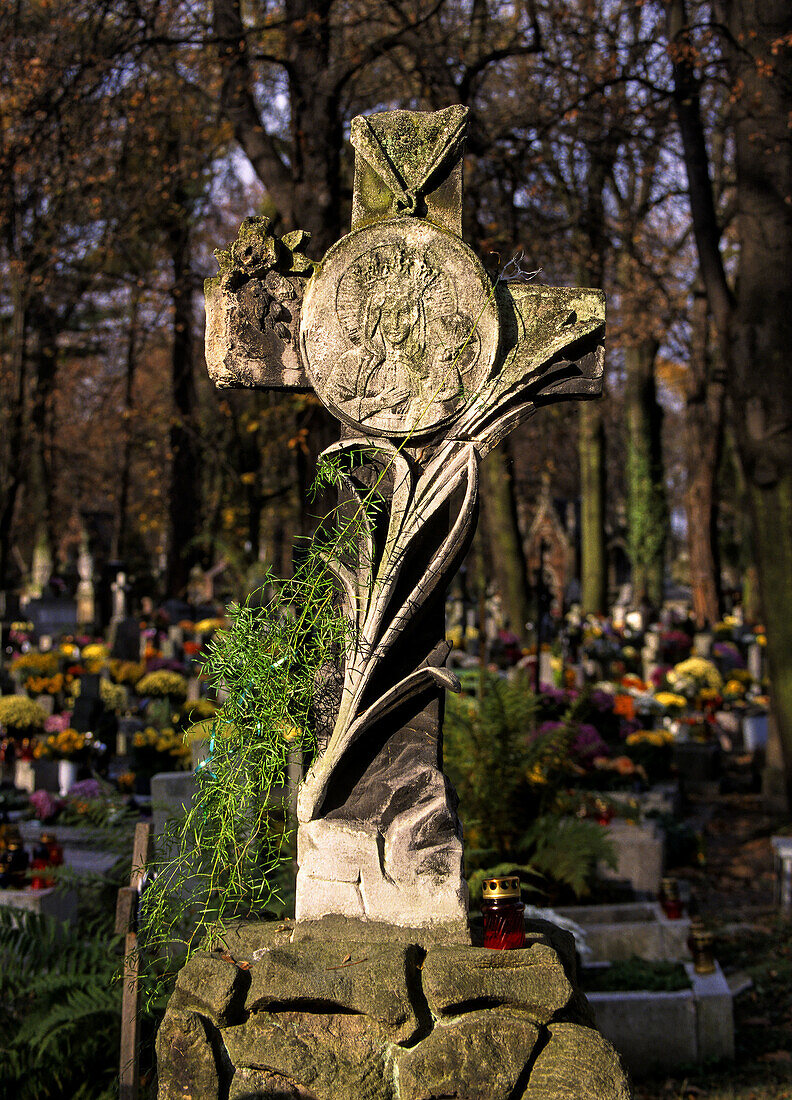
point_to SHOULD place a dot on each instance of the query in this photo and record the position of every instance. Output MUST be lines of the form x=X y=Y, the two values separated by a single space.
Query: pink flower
x=45 y=805
x=57 y=723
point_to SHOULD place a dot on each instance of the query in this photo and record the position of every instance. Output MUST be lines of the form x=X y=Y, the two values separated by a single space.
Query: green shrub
x=512 y=782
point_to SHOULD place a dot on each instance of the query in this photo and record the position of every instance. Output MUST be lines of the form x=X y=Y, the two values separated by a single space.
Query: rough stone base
x=338 y=1011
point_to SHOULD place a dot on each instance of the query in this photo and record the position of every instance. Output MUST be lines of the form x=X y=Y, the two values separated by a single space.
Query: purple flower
x=602 y=701
x=156 y=664
x=728 y=654
x=588 y=743
x=86 y=790
x=659 y=674
x=545 y=729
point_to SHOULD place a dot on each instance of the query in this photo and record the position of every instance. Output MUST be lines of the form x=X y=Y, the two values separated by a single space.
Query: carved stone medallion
x=399 y=327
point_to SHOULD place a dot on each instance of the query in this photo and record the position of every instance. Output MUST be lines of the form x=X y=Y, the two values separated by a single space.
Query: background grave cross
x=427 y=365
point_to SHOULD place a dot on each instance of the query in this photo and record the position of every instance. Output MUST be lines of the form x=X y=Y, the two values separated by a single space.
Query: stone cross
x=427 y=363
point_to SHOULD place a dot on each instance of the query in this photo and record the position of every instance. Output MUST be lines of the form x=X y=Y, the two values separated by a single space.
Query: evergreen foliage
x=60 y=1008
x=510 y=779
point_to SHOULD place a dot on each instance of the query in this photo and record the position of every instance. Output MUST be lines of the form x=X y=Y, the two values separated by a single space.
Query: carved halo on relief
x=399 y=327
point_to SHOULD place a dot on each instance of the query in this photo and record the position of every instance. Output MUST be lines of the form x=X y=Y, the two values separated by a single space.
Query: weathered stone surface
x=392 y=843
x=481 y=1055
x=343 y=928
x=317 y=897
x=212 y=987
x=331 y=1055
x=337 y=1008
x=253 y=309
x=457 y=979
x=399 y=861
x=409 y=160
x=401 y=332
x=250 y=1083
x=577 y=1064
x=371 y=979
x=186 y=1065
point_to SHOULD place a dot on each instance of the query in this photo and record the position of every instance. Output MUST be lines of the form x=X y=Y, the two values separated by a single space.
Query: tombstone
x=52 y=616
x=88 y=706
x=427 y=365
x=127 y=640
x=557 y=554
x=756 y=661
x=403 y=338
x=86 y=606
x=118 y=589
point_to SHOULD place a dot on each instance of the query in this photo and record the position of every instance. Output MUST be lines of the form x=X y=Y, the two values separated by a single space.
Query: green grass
x=635 y=974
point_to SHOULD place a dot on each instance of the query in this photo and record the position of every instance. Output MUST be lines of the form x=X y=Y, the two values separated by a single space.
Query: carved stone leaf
x=373 y=643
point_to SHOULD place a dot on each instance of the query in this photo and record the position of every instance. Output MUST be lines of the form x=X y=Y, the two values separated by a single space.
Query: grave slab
x=51 y=902
x=640 y=855
x=617 y=932
x=696 y=1025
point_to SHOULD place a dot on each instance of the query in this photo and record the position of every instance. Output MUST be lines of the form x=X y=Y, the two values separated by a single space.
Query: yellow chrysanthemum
x=670 y=699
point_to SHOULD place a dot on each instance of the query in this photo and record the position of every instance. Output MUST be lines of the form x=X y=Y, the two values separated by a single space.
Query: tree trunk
x=704 y=442
x=305 y=184
x=184 y=507
x=14 y=425
x=762 y=331
x=647 y=510
x=499 y=514
x=121 y=534
x=39 y=481
x=755 y=332
x=591 y=448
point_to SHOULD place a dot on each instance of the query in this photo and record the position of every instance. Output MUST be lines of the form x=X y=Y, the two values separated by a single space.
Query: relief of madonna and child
x=412 y=349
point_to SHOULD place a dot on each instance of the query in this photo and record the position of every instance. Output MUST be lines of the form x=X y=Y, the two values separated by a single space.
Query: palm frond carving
x=554 y=348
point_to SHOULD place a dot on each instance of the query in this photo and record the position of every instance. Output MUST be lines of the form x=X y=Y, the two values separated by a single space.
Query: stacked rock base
x=346 y=1010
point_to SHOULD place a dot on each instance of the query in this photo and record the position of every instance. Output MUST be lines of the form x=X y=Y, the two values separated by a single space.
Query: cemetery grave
x=621 y=775
x=593 y=765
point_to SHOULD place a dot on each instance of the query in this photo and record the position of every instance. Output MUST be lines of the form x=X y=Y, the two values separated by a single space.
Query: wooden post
x=126 y=924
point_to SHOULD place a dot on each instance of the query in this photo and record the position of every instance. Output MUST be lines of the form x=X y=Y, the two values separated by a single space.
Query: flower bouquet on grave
x=128 y=673
x=651 y=750
x=159 y=750
x=45 y=685
x=166 y=691
x=92 y=802
x=727 y=657
x=71 y=749
x=672 y=704
x=67 y=744
x=20 y=716
x=45 y=806
x=95 y=656
x=693 y=676
x=34 y=663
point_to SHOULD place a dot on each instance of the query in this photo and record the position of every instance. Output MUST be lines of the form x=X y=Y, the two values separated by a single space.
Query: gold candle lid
x=506 y=887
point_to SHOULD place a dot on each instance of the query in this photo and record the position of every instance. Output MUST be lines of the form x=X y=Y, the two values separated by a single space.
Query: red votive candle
x=503 y=913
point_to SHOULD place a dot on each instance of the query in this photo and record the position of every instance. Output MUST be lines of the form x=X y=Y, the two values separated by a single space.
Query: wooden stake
x=126 y=924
